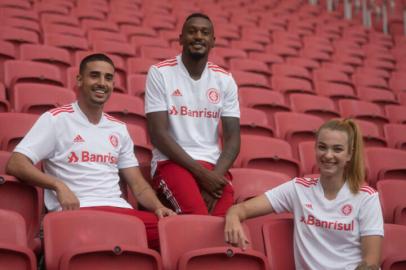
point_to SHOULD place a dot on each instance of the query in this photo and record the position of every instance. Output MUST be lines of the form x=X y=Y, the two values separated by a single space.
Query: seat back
x=278 y=237
x=393 y=202
x=201 y=245
x=393 y=255
x=14 y=253
x=91 y=239
x=18 y=124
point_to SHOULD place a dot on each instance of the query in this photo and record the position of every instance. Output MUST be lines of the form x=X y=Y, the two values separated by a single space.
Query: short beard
x=196 y=56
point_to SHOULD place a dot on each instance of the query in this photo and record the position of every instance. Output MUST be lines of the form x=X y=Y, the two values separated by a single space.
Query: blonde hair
x=354 y=171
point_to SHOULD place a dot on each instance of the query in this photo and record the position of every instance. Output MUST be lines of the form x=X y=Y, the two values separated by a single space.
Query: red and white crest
x=113 y=140
x=213 y=95
x=346 y=209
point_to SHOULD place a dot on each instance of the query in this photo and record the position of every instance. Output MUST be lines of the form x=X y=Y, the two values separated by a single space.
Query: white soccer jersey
x=194 y=106
x=327 y=232
x=86 y=157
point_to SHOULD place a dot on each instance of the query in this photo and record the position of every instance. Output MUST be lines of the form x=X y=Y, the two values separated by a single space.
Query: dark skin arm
x=211 y=181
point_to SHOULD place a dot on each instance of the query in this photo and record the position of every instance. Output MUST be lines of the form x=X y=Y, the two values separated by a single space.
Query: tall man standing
x=84 y=151
x=186 y=97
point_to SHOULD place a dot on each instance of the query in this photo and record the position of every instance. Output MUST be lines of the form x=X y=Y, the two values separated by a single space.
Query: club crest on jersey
x=213 y=95
x=113 y=140
x=346 y=209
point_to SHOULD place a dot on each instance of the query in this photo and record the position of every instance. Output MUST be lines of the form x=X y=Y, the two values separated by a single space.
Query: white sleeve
x=282 y=197
x=126 y=157
x=231 y=106
x=370 y=216
x=40 y=142
x=155 y=98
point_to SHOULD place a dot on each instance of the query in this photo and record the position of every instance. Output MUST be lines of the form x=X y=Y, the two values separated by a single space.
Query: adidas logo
x=78 y=139
x=177 y=93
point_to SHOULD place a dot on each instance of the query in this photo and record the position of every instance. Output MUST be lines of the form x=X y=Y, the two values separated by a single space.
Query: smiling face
x=332 y=152
x=96 y=83
x=197 y=37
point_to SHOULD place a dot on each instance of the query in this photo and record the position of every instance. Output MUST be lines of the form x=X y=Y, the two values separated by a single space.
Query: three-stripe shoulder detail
x=63 y=109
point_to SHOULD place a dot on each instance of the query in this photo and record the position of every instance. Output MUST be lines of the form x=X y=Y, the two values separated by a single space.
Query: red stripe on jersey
x=368 y=190
x=166 y=62
x=219 y=70
x=111 y=118
x=66 y=108
x=306 y=182
x=167 y=65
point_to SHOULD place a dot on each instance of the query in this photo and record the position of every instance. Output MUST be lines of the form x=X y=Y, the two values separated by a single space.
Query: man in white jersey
x=186 y=97
x=84 y=153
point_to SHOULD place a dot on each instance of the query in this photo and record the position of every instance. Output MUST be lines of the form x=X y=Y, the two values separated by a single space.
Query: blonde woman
x=338 y=219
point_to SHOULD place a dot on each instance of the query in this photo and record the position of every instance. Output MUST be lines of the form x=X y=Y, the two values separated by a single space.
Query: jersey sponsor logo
x=78 y=139
x=86 y=156
x=113 y=140
x=346 y=209
x=213 y=95
x=176 y=93
x=330 y=225
x=187 y=112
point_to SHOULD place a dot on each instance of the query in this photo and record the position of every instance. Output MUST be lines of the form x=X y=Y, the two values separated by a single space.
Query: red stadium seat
x=287 y=70
x=17 y=71
x=268 y=58
x=18 y=124
x=71 y=43
x=136 y=84
x=371 y=134
x=376 y=95
x=320 y=106
x=95 y=35
x=157 y=53
x=14 y=253
x=63 y=29
x=247 y=46
x=397 y=81
x=363 y=110
x=248 y=183
x=27 y=201
x=250 y=79
x=385 y=163
x=287 y=85
x=395 y=134
x=202 y=245
x=305 y=62
x=4 y=102
x=393 y=201
x=249 y=65
x=139 y=65
x=121 y=49
x=18 y=36
x=278 y=238
x=254 y=122
x=296 y=127
x=93 y=24
x=393 y=256
x=396 y=114
x=129 y=109
x=90 y=239
x=230 y=53
x=267 y=101
x=50 y=18
x=270 y=154
x=39 y=98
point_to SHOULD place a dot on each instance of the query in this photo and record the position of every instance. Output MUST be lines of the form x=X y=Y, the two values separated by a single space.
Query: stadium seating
x=268 y=154
x=254 y=122
x=14 y=252
x=393 y=256
x=395 y=134
x=27 y=201
x=320 y=106
x=202 y=245
x=91 y=239
x=17 y=125
x=248 y=183
x=278 y=238
x=385 y=163
x=393 y=201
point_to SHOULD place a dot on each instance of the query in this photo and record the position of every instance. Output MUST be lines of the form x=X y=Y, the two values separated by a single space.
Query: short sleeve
x=127 y=157
x=370 y=216
x=155 y=99
x=231 y=105
x=282 y=197
x=40 y=142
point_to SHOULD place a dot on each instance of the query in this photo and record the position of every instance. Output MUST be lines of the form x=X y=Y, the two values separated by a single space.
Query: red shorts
x=179 y=189
x=150 y=220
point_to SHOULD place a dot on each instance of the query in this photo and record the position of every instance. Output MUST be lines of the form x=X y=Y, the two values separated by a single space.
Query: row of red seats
x=72 y=250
